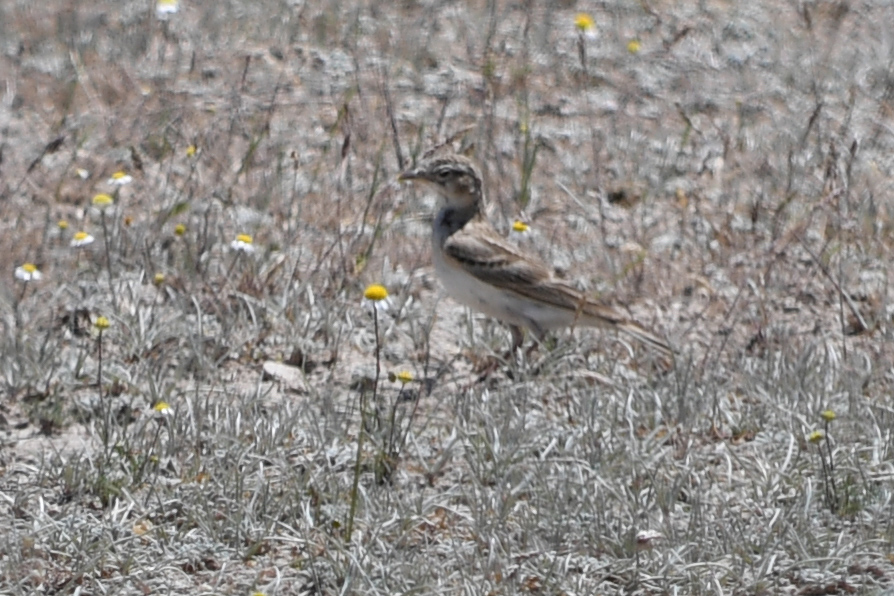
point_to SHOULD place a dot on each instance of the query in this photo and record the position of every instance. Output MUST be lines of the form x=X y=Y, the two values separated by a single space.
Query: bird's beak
x=410 y=175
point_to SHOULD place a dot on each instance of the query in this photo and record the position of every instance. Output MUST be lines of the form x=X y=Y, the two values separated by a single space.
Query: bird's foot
x=488 y=365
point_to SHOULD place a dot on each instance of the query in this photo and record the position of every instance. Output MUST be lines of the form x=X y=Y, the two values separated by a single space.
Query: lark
x=485 y=272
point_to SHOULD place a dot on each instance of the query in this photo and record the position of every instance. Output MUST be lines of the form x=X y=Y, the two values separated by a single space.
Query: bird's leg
x=533 y=347
x=518 y=337
x=539 y=334
x=490 y=364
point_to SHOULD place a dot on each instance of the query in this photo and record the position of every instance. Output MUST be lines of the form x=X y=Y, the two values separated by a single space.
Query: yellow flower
x=828 y=415
x=28 y=272
x=81 y=239
x=404 y=376
x=62 y=224
x=243 y=242
x=375 y=298
x=101 y=323
x=191 y=151
x=120 y=178
x=375 y=292
x=180 y=229
x=102 y=201
x=584 y=22
x=158 y=279
x=520 y=226
x=633 y=46
x=816 y=436
x=163 y=408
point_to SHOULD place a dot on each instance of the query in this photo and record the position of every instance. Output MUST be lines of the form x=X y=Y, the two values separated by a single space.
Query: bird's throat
x=452 y=219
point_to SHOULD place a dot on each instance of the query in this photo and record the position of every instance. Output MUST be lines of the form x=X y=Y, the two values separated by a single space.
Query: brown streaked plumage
x=480 y=269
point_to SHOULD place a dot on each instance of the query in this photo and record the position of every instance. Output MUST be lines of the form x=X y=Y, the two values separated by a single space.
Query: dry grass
x=729 y=183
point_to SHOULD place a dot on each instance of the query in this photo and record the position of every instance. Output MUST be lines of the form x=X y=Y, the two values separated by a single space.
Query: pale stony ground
x=726 y=181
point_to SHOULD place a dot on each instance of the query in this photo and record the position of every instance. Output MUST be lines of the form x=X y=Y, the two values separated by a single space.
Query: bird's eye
x=443 y=175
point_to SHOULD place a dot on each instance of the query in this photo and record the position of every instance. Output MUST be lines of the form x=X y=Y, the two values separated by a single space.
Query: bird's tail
x=640 y=333
x=599 y=315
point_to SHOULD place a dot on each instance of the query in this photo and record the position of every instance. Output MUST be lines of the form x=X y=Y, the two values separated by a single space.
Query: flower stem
x=355 y=488
x=104 y=407
x=107 y=241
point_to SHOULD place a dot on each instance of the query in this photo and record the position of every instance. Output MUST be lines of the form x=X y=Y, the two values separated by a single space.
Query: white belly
x=503 y=305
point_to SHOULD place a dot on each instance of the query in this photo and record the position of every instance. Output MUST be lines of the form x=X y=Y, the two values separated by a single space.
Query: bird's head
x=454 y=177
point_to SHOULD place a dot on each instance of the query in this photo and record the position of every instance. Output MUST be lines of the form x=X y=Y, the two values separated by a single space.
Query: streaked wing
x=488 y=257
x=485 y=255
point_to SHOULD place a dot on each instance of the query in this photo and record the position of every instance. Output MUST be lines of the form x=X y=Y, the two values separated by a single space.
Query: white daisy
x=164 y=8
x=102 y=201
x=375 y=298
x=28 y=272
x=81 y=239
x=120 y=179
x=243 y=243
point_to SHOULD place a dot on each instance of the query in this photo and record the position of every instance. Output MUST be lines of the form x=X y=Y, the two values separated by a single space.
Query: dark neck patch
x=453 y=219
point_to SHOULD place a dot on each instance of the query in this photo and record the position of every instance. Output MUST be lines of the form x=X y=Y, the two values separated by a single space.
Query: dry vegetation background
x=727 y=181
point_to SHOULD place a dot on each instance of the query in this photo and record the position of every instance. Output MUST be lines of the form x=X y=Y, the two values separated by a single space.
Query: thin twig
x=842 y=293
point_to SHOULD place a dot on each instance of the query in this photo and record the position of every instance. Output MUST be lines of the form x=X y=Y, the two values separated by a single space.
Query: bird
x=484 y=271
